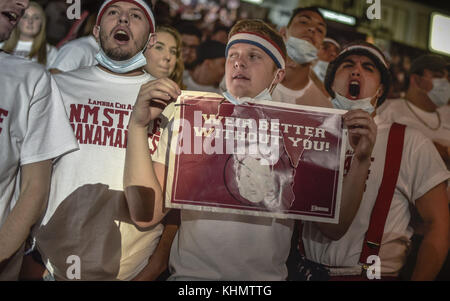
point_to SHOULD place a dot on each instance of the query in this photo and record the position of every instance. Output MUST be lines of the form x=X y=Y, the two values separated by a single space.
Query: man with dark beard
x=87 y=232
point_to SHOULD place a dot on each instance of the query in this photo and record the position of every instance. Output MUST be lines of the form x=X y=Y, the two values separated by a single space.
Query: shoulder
x=84 y=73
x=18 y=67
x=389 y=105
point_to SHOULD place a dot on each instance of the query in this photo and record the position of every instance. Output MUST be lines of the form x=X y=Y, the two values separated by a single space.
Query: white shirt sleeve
x=49 y=134
x=70 y=57
x=424 y=167
x=52 y=54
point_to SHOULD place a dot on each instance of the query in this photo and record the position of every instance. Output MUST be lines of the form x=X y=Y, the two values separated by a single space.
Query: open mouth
x=121 y=36
x=12 y=17
x=240 y=77
x=354 y=88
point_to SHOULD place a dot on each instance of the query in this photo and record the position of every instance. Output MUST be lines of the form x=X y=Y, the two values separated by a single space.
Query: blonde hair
x=177 y=73
x=39 y=46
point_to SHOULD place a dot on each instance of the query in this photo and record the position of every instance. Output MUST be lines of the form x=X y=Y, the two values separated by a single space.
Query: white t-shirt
x=310 y=95
x=33 y=124
x=23 y=49
x=87 y=214
x=397 y=110
x=193 y=86
x=421 y=169
x=76 y=54
x=221 y=246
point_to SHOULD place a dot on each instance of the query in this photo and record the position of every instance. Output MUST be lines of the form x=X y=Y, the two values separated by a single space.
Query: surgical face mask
x=136 y=62
x=343 y=103
x=440 y=93
x=265 y=94
x=320 y=69
x=301 y=51
x=129 y=65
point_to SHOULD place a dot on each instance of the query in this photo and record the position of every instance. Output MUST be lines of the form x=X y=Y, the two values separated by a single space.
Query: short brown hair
x=298 y=10
x=261 y=28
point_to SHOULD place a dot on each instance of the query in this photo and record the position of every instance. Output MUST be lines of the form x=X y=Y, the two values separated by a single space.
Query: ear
x=279 y=76
x=283 y=33
x=414 y=80
x=96 y=32
x=151 y=40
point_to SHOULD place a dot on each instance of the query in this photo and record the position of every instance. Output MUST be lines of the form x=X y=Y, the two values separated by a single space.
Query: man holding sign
x=406 y=170
x=224 y=246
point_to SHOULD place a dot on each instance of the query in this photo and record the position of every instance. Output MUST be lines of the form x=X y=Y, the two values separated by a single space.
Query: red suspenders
x=372 y=240
x=374 y=234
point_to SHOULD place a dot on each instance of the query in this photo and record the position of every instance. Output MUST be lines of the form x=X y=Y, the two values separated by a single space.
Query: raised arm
x=143 y=179
x=433 y=208
x=362 y=137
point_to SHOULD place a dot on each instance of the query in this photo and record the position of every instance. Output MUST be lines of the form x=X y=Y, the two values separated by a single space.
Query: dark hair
x=298 y=10
x=189 y=29
x=385 y=75
x=430 y=62
x=209 y=49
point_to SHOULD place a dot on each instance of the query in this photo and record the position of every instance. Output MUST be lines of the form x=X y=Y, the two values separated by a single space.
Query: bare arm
x=433 y=208
x=143 y=179
x=159 y=260
x=34 y=190
x=362 y=137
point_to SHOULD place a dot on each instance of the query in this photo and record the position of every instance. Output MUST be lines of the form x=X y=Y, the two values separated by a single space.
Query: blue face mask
x=129 y=65
x=320 y=69
x=343 y=103
x=301 y=51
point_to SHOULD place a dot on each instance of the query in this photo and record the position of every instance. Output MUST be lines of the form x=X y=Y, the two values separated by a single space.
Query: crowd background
x=402 y=32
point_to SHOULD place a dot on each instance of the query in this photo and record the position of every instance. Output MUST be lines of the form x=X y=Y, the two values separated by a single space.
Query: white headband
x=257 y=40
x=371 y=50
x=332 y=41
x=140 y=3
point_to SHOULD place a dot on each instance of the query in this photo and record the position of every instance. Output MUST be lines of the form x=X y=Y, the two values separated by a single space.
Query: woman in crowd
x=164 y=58
x=29 y=40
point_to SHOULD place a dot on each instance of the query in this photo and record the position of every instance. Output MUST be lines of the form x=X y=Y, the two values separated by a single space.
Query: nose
x=239 y=63
x=123 y=18
x=356 y=70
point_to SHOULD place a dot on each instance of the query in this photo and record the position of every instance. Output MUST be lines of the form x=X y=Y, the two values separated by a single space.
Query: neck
x=297 y=77
x=201 y=76
x=26 y=38
x=131 y=73
x=420 y=99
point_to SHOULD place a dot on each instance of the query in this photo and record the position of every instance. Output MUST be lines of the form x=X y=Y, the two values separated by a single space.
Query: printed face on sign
x=248 y=70
x=10 y=14
x=357 y=78
x=123 y=31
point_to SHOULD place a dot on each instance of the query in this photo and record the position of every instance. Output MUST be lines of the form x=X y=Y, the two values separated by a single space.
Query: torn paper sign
x=265 y=158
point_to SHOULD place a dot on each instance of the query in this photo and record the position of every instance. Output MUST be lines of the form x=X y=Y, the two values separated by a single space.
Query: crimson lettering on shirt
x=3 y=113
x=99 y=124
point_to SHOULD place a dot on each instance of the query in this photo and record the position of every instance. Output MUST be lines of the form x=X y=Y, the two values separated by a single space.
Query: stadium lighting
x=439 y=39
x=338 y=17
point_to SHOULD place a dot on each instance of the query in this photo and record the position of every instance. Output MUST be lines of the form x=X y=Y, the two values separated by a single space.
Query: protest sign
x=265 y=158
